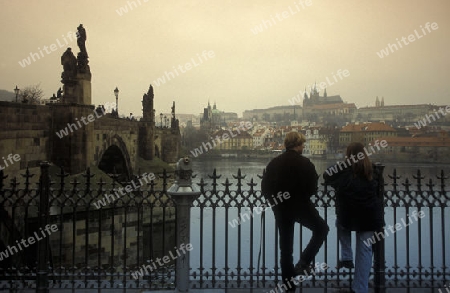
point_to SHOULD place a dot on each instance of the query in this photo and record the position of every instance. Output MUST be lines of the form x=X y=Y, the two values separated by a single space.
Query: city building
x=316 y=143
x=236 y=140
x=364 y=132
x=323 y=109
x=213 y=119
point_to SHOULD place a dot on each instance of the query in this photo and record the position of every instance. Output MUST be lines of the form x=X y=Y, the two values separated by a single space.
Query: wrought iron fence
x=235 y=243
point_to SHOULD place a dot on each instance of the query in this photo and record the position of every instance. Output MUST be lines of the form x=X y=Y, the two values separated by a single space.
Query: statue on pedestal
x=81 y=38
x=82 y=56
x=69 y=63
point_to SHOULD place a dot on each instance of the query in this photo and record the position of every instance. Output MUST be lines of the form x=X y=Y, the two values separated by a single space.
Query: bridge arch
x=115 y=158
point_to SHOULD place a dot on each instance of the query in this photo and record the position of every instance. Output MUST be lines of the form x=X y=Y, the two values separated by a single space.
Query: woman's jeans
x=363 y=258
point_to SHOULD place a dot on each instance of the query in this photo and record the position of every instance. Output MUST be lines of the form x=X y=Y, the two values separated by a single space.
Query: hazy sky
x=309 y=42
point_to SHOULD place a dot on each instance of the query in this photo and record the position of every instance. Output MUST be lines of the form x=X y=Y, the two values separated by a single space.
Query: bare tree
x=32 y=94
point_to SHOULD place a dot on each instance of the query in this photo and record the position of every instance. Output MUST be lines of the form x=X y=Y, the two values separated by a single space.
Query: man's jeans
x=363 y=258
x=309 y=217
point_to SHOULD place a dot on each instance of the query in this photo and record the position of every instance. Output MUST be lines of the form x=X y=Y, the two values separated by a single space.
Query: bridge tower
x=147 y=127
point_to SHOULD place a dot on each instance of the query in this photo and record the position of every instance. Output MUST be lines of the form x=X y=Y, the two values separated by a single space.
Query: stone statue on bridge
x=69 y=63
x=81 y=38
x=174 y=123
x=82 y=56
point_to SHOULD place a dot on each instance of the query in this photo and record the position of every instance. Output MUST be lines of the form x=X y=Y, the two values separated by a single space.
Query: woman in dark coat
x=358 y=208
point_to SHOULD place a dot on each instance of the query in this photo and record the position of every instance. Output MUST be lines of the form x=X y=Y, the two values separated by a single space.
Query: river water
x=254 y=167
x=432 y=229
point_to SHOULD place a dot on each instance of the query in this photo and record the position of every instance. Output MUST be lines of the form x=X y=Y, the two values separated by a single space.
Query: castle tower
x=382 y=102
x=377 y=102
x=315 y=89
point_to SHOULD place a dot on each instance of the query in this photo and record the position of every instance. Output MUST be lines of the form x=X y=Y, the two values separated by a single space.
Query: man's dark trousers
x=309 y=217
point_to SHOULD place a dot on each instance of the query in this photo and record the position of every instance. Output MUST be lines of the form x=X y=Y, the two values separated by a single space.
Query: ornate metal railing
x=109 y=246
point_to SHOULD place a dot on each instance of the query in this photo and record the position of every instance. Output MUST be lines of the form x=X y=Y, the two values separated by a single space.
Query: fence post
x=42 y=245
x=183 y=193
x=379 y=246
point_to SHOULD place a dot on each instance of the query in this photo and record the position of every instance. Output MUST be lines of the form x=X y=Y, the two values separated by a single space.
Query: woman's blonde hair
x=362 y=167
x=293 y=139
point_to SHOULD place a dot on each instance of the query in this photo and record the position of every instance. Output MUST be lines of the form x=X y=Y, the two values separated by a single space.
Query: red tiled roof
x=367 y=127
x=417 y=141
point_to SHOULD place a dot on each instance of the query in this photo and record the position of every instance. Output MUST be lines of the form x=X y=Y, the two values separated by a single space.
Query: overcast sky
x=304 y=42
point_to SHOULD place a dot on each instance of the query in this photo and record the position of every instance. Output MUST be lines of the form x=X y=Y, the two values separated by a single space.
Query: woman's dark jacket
x=358 y=207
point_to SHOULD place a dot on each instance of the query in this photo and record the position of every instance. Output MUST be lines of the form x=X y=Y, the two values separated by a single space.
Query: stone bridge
x=73 y=133
x=52 y=133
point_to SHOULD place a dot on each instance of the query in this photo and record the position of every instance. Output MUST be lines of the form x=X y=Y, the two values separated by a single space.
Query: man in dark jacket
x=293 y=173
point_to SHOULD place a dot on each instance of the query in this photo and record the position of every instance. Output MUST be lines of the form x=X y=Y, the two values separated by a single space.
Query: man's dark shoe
x=303 y=270
x=348 y=264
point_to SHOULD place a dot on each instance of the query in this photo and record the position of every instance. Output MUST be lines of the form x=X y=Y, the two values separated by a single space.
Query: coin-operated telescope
x=183 y=193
